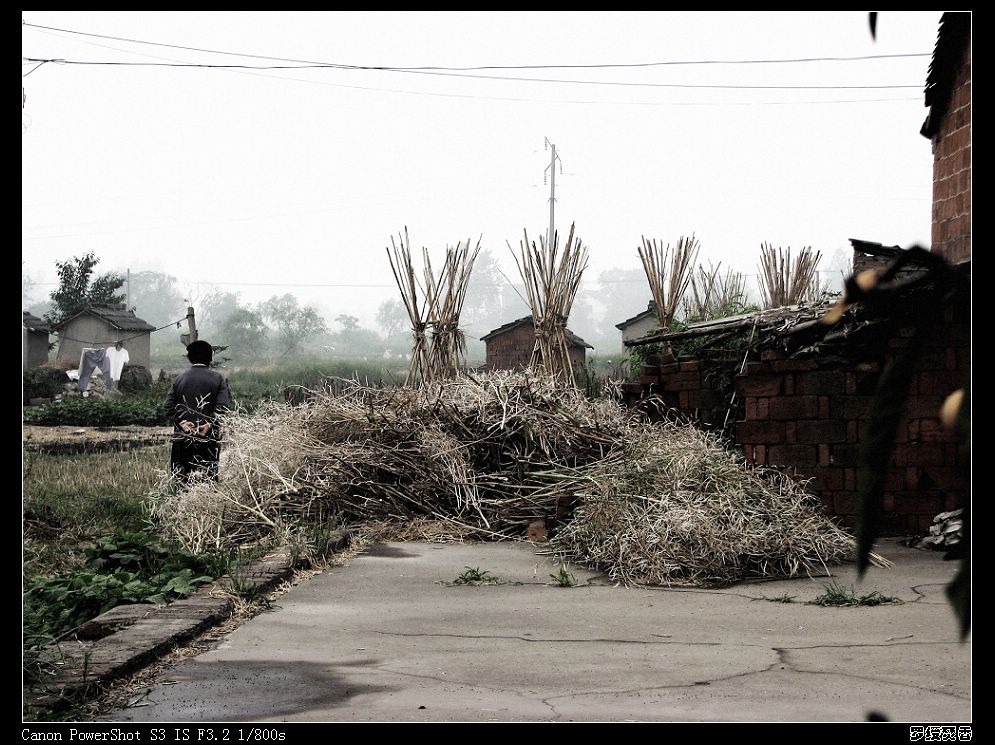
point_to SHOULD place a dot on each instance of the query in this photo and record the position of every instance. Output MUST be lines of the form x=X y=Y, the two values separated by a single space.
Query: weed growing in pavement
x=563 y=578
x=476 y=576
x=839 y=596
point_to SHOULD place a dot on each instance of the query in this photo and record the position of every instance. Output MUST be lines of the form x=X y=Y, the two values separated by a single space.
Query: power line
x=622 y=83
x=791 y=60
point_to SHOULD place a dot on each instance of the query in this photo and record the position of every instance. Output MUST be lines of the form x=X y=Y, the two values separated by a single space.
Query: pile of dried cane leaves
x=489 y=453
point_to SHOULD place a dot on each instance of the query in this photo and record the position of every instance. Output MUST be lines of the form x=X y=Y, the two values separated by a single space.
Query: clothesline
x=123 y=338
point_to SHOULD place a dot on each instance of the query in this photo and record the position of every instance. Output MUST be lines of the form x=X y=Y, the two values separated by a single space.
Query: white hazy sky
x=264 y=181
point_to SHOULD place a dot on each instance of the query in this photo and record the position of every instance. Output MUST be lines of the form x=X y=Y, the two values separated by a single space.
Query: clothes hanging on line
x=90 y=360
x=118 y=359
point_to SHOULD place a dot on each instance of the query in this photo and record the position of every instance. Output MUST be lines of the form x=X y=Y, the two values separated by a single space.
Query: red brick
x=760 y=455
x=793 y=365
x=949 y=479
x=920 y=505
x=937 y=382
x=851 y=383
x=821 y=431
x=915 y=454
x=766 y=432
x=927 y=430
x=821 y=382
x=845 y=455
x=824 y=455
x=771 y=354
x=924 y=407
x=830 y=479
x=852 y=430
x=846 y=504
x=682 y=400
x=685 y=384
x=789 y=384
x=670 y=369
x=849 y=407
x=794 y=407
x=689 y=366
x=757 y=408
x=767 y=385
x=792 y=455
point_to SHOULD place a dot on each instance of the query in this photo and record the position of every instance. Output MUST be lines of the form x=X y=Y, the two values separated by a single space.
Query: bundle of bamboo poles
x=551 y=279
x=783 y=282
x=714 y=295
x=668 y=280
x=441 y=355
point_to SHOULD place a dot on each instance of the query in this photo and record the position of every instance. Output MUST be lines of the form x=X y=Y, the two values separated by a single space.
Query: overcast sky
x=264 y=181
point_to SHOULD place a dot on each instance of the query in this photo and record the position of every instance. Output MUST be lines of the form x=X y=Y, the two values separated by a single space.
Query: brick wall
x=808 y=418
x=513 y=349
x=951 y=233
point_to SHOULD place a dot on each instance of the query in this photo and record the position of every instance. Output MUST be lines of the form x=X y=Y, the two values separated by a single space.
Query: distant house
x=509 y=347
x=100 y=326
x=948 y=125
x=639 y=325
x=34 y=341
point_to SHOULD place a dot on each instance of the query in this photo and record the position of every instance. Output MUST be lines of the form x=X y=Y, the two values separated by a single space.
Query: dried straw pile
x=487 y=455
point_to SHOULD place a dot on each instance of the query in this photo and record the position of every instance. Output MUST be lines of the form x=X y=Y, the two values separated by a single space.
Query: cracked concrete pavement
x=388 y=638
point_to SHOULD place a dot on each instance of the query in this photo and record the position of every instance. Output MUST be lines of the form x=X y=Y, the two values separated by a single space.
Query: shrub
x=43 y=382
x=91 y=412
x=134 y=379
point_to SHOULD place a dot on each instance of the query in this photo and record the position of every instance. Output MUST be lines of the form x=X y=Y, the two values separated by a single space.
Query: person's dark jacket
x=197 y=395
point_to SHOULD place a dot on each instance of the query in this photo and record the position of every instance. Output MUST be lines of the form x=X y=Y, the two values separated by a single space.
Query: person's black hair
x=200 y=352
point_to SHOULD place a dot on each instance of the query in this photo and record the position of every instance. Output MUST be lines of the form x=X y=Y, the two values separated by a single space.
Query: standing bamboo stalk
x=551 y=280
x=668 y=280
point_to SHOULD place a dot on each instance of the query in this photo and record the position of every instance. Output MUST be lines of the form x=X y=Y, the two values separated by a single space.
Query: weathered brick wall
x=951 y=234
x=513 y=349
x=808 y=418
x=685 y=386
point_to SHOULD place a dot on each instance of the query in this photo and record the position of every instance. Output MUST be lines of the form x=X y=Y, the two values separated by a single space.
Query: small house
x=639 y=325
x=101 y=326
x=34 y=341
x=509 y=347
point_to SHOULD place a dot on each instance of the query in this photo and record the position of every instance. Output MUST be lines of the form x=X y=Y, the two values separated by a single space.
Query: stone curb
x=152 y=631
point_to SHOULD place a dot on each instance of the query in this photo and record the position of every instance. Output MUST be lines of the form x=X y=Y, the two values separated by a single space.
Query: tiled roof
x=116 y=316
x=33 y=323
x=572 y=339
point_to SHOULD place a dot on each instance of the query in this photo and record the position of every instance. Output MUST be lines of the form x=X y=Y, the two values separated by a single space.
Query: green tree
x=482 y=306
x=214 y=308
x=294 y=323
x=77 y=288
x=153 y=296
x=392 y=318
x=244 y=331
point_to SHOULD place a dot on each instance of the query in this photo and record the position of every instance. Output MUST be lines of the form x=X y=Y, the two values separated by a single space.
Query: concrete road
x=389 y=638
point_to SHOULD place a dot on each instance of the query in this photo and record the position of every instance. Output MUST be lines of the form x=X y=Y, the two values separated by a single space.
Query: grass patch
x=251 y=386
x=838 y=596
x=785 y=598
x=476 y=576
x=563 y=578
x=69 y=501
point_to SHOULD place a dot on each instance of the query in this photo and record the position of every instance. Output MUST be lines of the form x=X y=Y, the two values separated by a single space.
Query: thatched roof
x=572 y=339
x=116 y=316
x=33 y=323
x=954 y=35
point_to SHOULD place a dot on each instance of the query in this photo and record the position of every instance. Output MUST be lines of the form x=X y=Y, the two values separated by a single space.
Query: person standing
x=195 y=399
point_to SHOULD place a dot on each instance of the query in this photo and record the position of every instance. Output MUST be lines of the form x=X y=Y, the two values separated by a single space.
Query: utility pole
x=127 y=290
x=551 y=170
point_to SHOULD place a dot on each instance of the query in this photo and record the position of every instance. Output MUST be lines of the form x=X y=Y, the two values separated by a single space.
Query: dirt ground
x=67 y=439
